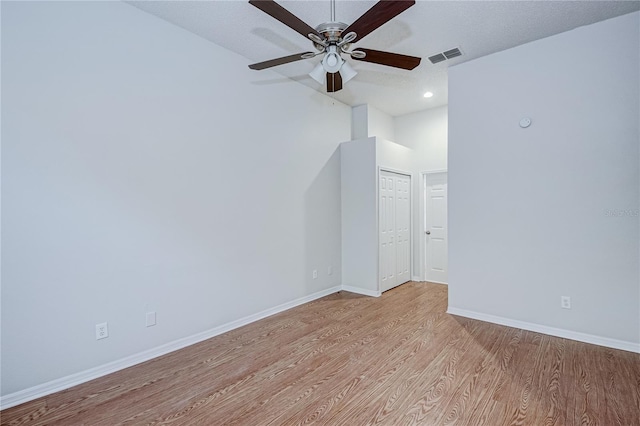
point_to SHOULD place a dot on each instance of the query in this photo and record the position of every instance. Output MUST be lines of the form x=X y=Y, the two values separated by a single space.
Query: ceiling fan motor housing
x=332 y=30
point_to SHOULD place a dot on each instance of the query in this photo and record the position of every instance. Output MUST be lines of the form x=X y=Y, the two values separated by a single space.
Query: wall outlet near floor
x=330 y=270
x=102 y=331
x=315 y=274
x=565 y=302
x=151 y=318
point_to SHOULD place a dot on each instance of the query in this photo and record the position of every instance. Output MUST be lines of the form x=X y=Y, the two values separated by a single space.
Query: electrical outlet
x=151 y=318
x=315 y=274
x=329 y=270
x=565 y=302
x=102 y=331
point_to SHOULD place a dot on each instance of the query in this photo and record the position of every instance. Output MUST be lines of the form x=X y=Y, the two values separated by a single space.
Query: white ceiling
x=478 y=28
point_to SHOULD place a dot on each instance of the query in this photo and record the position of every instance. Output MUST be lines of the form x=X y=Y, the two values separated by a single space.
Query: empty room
x=320 y=212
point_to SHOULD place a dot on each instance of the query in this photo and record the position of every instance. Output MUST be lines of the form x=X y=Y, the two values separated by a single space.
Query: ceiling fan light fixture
x=347 y=72
x=332 y=60
x=318 y=74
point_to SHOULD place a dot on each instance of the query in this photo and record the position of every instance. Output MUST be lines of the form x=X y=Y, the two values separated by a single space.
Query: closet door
x=403 y=229
x=387 y=230
x=394 y=209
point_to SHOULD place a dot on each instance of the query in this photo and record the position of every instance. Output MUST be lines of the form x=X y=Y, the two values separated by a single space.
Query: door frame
x=411 y=194
x=423 y=218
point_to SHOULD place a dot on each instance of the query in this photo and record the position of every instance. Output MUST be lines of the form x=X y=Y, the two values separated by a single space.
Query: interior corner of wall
x=359 y=122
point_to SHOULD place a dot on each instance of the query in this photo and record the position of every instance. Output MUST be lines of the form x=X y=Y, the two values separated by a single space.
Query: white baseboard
x=422 y=280
x=62 y=383
x=437 y=282
x=362 y=291
x=552 y=331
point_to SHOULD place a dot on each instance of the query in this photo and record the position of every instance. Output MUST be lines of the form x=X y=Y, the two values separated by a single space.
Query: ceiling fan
x=335 y=38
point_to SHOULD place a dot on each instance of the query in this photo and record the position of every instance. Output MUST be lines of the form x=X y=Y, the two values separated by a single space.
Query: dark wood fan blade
x=272 y=8
x=389 y=59
x=334 y=82
x=278 y=61
x=379 y=14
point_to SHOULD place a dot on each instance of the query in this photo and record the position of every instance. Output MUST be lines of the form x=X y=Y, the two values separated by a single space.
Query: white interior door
x=435 y=225
x=387 y=229
x=403 y=229
x=394 y=207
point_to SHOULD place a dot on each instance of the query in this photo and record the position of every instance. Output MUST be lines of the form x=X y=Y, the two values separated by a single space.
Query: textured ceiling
x=478 y=28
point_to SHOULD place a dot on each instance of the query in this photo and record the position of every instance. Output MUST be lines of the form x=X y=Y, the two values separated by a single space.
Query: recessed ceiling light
x=428 y=95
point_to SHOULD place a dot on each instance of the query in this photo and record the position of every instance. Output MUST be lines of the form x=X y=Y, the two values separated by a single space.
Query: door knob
x=428 y=232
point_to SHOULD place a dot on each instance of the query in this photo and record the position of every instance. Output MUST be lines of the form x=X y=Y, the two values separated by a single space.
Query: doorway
x=435 y=228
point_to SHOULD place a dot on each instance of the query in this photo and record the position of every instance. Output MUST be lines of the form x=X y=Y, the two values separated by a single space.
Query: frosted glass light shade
x=346 y=72
x=318 y=74
x=332 y=60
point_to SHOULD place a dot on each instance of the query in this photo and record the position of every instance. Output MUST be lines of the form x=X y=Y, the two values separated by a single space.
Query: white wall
x=530 y=210
x=425 y=132
x=144 y=168
x=359 y=122
x=361 y=160
x=359 y=220
x=368 y=121
x=380 y=124
x=394 y=157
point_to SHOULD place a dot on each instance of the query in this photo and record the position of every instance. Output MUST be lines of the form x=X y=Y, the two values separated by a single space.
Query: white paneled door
x=394 y=207
x=436 y=260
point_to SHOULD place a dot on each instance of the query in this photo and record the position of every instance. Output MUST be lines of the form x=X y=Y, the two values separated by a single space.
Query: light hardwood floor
x=354 y=360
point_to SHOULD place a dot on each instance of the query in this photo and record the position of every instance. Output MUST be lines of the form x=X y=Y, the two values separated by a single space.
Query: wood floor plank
x=392 y=380
x=553 y=405
x=473 y=397
x=353 y=360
